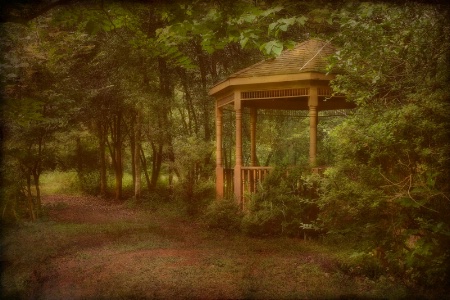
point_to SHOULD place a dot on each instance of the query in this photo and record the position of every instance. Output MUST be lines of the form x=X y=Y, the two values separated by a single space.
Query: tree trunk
x=156 y=163
x=102 y=149
x=137 y=161
x=79 y=157
x=192 y=116
x=30 y=198
x=118 y=168
x=171 y=156
x=36 y=177
x=133 y=150
x=144 y=167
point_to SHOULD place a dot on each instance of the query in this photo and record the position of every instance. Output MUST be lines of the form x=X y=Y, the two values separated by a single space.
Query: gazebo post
x=253 y=119
x=313 y=102
x=295 y=80
x=238 y=165
x=219 y=161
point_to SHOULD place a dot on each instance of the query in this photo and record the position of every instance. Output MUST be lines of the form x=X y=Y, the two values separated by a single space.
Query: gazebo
x=295 y=80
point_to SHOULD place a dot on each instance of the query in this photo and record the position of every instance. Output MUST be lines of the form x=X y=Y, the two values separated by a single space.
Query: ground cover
x=89 y=248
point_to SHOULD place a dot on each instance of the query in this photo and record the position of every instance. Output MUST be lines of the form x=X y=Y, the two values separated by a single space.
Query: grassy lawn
x=89 y=248
x=131 y=254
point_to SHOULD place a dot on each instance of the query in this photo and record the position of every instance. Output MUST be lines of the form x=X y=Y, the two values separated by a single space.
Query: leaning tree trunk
x=144 y=168
x=137 y=161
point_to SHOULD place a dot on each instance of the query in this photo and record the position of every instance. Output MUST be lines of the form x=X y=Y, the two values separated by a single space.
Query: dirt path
x=90 y=249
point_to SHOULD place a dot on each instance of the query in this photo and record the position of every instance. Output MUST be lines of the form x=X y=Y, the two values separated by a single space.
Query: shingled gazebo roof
x=305 y=62
x=308 y=56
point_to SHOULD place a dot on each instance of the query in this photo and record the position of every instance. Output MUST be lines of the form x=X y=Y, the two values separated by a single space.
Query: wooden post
x=313 y=103
x=253 y=118
x=219 y=163
x=238 y=165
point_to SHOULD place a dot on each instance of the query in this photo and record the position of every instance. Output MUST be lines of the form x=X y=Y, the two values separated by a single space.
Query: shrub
x=224 y=214
x=284 y=205
x=89 y=182
x=196 y=196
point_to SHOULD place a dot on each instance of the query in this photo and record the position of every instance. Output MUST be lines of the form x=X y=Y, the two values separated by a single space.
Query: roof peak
x=307 y=56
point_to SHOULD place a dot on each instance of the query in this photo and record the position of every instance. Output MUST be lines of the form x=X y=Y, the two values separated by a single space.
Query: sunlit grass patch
x=56 y=182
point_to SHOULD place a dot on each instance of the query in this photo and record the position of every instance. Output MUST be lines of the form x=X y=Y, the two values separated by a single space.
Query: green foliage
x=223 y=214
x=194 y=189
x=285 y=204
x=89 y=182
x=388 y=189
x=88 y=70
x=361 y=264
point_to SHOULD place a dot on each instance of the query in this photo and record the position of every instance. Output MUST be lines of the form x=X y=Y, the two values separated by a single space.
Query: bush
x=263 y=222
x=89 y=182
x=361 y=264
x=389 y=190
x=284 y=205
x=196 y=196
x=224 y=214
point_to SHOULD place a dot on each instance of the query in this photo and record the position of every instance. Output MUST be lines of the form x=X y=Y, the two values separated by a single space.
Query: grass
x=161 y=254
x=235 y=266
x=67 y=183
x=56 y=183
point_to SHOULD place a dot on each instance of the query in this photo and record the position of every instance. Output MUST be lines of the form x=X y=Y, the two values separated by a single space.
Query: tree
x=34 y=111
x=390 y=182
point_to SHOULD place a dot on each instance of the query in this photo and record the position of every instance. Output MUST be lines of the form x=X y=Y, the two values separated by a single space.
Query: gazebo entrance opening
x=294 y=81
x=281 y=139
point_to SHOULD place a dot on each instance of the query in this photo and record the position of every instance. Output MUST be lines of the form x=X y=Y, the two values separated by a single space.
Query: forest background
x=113 y=96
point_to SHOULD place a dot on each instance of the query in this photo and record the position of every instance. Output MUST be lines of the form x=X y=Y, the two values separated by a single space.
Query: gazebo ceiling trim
x=298 y=103
x=345 y=112
x=268 y=81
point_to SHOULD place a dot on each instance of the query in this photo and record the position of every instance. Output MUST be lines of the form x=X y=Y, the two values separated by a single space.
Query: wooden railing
x=251 y=180
x=252 y=177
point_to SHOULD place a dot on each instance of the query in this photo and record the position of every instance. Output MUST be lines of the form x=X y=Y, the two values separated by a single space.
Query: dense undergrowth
x=294 y=203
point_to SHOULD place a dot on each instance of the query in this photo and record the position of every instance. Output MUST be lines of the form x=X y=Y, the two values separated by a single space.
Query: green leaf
x=290 y=45
x=283 y=27
x=272 y=26
x=243 y=42
x=271 y=11
x=302 y=20
x=249 y=18
x=273 y=48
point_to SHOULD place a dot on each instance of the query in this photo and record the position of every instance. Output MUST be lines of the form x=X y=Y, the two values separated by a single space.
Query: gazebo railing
x=252 y=177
